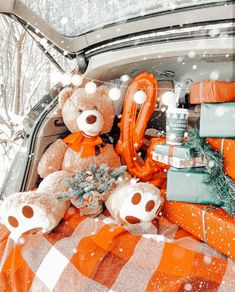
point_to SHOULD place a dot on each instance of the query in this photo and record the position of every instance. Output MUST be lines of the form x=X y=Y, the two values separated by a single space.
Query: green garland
x=222 y=185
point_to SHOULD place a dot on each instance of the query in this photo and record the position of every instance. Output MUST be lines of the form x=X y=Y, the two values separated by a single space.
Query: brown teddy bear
x=86 y=116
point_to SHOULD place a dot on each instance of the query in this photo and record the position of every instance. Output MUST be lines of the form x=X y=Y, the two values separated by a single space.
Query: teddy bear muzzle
x=90 y=122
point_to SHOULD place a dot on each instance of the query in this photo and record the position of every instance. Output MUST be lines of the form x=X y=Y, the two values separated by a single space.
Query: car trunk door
x=74 y=26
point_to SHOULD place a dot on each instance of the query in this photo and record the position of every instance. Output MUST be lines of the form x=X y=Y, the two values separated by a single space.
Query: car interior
x=172 y=68
x=178 y=55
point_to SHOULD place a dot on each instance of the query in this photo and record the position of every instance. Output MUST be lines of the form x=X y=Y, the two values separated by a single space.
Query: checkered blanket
x=87 y=254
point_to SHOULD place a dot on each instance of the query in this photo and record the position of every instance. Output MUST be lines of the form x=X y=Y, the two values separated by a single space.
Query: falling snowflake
x=207 y=260
x=180 y=59
x=214 y=32
x=219 y=112
x=188 y=287
x=133 y=181
x=21 y=241
x=64 y=21
x=191 y=54
x=211 y=163
x=214 y=75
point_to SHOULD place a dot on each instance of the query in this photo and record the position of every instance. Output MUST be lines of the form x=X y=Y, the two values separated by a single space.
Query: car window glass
x=77 y=17
x=26 y=75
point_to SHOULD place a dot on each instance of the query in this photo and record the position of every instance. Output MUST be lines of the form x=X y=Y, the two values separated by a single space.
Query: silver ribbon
x=201 y=92
x=204 y=222
x=222 y=147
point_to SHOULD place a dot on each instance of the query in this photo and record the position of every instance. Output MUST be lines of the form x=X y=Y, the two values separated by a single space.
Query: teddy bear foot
x=31 y=212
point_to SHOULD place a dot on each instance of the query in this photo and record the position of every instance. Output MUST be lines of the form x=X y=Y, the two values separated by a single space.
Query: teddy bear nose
x=91 y=119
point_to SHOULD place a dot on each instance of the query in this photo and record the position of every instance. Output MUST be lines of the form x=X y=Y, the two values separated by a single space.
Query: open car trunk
x=177 y=56
x=178 y=67
x=179 y=48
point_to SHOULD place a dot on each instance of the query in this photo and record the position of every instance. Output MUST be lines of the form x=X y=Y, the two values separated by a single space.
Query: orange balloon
x=132 y=129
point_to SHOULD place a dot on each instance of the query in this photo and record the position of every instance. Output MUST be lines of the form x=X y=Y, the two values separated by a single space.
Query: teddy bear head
x=91 y=114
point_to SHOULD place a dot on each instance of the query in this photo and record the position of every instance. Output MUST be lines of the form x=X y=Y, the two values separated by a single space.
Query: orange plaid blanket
x=87 y=254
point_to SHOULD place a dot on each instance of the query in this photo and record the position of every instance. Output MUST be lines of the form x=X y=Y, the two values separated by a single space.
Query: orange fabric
x=79 y=142
x=212 y=91
x=215 y=273
x=181 y=260
x=109 y=256
x=15 y=274
x=132 y=129
x=105 y=250
x=228 y=153
x=105 y=237
x=184 y=269
x=219 y=225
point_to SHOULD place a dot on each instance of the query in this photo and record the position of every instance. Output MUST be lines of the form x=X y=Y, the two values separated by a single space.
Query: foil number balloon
x=132 y=129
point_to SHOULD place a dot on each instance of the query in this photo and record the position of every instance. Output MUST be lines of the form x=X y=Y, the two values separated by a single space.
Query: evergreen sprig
x=96 y=179
x=222 y=185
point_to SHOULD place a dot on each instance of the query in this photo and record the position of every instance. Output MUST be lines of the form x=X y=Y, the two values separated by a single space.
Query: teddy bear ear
x=64 y=95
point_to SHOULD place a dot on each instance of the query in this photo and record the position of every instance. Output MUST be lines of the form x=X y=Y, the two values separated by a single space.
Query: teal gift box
x=179 y=156
x=218 y=120
x=188 y=185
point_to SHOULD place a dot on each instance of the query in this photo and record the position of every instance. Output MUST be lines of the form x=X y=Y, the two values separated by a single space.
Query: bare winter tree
x=24 y=78
x=25 y=72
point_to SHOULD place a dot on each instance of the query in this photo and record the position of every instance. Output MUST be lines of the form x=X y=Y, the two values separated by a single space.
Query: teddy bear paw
x=23 y=218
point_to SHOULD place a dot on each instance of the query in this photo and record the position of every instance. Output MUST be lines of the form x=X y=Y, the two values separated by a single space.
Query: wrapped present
x=217 y=120
x=210 y=224
x=189 y=185
x=212 y=91
x=227 y=149
x=181 y=156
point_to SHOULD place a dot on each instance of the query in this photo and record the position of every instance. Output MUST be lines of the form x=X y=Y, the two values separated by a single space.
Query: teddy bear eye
x=80 y=111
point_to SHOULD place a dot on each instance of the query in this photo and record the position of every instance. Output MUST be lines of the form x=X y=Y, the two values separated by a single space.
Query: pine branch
x=85 y=183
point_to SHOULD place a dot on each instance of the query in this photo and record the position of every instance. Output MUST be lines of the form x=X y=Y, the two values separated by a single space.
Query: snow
x=191 y=54
x=207 y=259
x=84 y=18
x=214 y=32
x=188 y=287
x=219 y=112
x=214 y=75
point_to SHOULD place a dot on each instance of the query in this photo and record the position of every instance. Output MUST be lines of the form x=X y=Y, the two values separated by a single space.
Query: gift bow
x=86 y=144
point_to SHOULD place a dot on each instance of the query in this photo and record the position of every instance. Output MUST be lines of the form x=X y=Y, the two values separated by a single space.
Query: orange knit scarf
x=84 y=144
